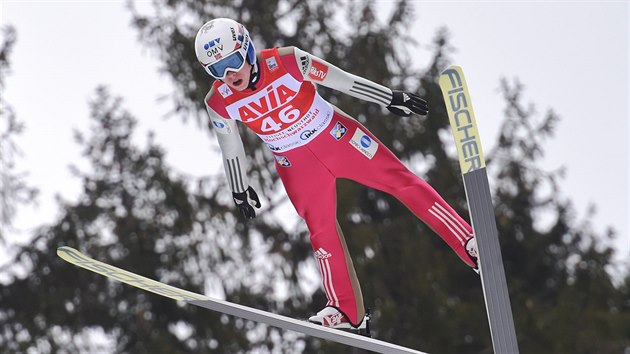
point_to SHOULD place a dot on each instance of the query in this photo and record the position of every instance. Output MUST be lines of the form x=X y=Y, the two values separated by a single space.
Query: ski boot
x=333 y=318
x=473 y=252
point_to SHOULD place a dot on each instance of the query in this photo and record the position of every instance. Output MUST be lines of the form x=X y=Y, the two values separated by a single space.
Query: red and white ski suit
x=314 y=144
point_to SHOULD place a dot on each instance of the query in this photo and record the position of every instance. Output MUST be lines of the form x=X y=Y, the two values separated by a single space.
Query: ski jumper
x=314 y=144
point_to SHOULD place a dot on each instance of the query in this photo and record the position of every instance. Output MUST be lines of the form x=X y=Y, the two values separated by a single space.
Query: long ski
x=77 y=258
x=473 y=166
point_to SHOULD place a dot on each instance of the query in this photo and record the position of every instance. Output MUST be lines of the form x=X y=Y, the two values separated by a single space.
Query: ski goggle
x=233 y=62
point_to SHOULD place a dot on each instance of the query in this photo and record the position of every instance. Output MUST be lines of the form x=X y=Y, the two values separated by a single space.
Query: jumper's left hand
x=404 y=103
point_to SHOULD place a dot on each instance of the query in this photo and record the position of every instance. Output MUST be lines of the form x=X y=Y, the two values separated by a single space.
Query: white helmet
x=223 y=45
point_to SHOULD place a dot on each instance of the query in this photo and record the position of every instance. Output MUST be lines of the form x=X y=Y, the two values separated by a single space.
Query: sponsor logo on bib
x=283 y=161
x=338 y=131
x=362 y=142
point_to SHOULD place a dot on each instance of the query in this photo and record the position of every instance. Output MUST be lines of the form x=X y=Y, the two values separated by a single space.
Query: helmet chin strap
x=254 y=75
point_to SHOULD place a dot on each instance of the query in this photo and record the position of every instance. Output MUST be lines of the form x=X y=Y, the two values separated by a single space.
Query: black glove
x=245 y=201
x=403 y=103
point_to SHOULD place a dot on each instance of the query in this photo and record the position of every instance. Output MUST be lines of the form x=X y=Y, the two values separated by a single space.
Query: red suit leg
x=312 y=190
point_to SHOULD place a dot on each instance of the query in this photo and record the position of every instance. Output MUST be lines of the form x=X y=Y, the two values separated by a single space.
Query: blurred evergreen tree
x=136 y=213
x=421 y=294
x=564 y=299
x=14 y=190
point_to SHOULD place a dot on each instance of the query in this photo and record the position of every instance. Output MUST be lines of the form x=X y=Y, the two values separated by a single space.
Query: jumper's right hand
x=245 y=201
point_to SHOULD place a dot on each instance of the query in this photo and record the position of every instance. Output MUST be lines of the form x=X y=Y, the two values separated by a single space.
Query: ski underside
x=77 y=258
x=473 y=167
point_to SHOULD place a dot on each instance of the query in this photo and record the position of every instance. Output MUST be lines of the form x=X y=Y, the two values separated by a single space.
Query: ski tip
x=62 y=249
x=69 y=254
x=452 y=68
